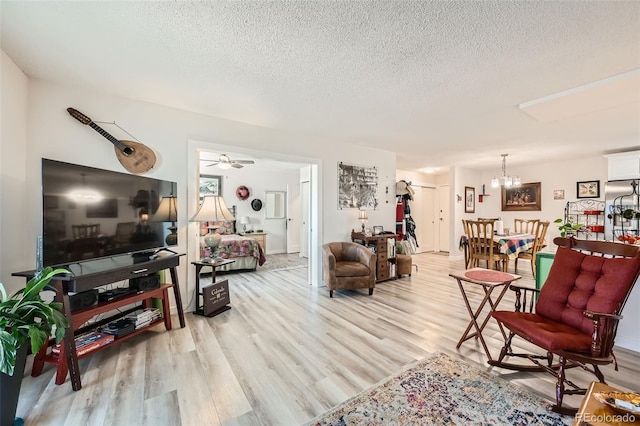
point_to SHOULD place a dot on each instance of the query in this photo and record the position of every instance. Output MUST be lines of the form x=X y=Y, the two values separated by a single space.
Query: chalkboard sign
x=216 y=298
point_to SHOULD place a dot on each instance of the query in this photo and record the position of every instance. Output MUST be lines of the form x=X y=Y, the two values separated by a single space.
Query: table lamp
x=362 y=215
x=212 y=209
x=245 y=221
x=168 y=212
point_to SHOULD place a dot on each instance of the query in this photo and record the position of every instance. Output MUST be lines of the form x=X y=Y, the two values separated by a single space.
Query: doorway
x=305 y=169
x=443 y=218
x=305 y=204
x=424 y=205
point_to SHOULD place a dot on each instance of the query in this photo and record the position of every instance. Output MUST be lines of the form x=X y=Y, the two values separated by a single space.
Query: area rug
x=443 y=390
x=281 y=262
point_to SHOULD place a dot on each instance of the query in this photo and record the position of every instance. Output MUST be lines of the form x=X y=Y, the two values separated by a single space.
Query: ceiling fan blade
x=236 y=165
x=243 y=161
x=215 y=163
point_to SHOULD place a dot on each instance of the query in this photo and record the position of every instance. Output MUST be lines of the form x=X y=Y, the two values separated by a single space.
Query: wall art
x=357 y=186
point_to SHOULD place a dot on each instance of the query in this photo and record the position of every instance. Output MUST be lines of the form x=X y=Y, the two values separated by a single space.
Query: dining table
x=510 y=244
x=513 y=244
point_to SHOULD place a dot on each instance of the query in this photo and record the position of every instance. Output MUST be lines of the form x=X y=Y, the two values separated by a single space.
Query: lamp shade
x=167 y=210
x=245 y=220
x=362 y=215
x=212 y=209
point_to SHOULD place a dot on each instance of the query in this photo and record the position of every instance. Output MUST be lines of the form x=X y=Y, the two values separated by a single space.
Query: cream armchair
x=348 y=266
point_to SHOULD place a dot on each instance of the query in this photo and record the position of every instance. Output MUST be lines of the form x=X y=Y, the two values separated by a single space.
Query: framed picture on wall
x=469 y=199
x=210 y=185
x=525 y=197
x=588 y=189
x=558 y=194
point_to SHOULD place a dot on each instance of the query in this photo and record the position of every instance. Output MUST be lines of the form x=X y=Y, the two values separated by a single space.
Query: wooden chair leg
x=533 y=266
x=370 y=291
x=330 y=293
x=62 y=368
x=38 y=361
x=515 y=266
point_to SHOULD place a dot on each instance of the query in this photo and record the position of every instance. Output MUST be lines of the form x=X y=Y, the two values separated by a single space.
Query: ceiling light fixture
x=84 y=194
x=505 y=180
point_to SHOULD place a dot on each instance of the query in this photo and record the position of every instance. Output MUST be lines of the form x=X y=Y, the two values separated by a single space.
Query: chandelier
x=505 y=180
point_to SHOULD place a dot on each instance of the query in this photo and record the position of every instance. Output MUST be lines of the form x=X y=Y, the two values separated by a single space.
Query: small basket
x=596 y=228
x=593 y=212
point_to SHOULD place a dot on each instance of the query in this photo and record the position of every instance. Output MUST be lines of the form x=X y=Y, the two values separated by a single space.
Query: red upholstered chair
x=576 y=314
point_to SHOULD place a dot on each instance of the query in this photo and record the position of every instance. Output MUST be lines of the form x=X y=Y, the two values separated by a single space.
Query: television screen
x=90 y=213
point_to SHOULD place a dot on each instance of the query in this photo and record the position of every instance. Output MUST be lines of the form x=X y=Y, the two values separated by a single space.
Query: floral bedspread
x=238 y=246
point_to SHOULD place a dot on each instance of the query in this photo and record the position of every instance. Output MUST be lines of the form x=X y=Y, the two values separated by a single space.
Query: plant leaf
x=8 y=344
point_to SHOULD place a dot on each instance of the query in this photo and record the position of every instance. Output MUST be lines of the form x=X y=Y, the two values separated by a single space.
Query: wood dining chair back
x=85 y=231
x=483 y=247
x=540 y=231
x=524 y=226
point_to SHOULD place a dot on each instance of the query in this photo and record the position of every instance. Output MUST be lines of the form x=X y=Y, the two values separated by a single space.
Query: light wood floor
x=283 y=354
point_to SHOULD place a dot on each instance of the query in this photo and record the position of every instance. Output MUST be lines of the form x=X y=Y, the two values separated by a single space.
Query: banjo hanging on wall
x=136 y=157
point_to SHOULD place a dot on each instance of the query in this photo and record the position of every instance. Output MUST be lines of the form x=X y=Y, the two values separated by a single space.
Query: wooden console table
x=378 y=243
x=94 y=273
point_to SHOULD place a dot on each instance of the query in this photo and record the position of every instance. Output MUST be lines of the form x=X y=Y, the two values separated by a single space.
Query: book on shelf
x=88 y=342
x=143 y=317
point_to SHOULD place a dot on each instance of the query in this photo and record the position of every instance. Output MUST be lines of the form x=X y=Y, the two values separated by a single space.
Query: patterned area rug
x=280 y=262
x=442 y=390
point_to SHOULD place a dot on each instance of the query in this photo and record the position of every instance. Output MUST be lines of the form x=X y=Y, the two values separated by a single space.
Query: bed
x=246 y=251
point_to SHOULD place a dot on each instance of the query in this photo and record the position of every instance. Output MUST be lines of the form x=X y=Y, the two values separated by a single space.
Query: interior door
x=425 y=218
x=293 y=218
x=304 y=218
x=443 y=218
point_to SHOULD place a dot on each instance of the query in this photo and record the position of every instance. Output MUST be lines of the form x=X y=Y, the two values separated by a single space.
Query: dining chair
x=483 y=247
x=524 y=226
x=540 y=231
x=464 y=243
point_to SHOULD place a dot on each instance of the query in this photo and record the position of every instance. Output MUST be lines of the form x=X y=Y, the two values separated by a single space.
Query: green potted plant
x=568 y=228
x=24 y=317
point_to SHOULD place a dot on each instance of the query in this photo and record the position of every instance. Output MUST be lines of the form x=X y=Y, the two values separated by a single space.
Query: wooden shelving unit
x=91 y=274
x=385 y=262
x=589 y=213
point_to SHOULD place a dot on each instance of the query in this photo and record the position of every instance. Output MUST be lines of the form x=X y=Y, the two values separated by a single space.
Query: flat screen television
x=89 y=213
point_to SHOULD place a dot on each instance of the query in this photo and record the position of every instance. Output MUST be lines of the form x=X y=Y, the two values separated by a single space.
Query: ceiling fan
x=224 y=162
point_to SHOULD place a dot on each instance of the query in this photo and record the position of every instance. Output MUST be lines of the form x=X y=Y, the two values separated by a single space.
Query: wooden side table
x=199 y=265
x=489 y=280
x=260 y=237
x=593 y=412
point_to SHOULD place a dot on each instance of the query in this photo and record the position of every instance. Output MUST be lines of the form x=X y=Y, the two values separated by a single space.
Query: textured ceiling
x=437 y=82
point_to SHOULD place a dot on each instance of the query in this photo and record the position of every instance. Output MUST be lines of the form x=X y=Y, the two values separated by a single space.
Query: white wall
x=258 y=181
x=49 y=131
x=561 y=174
x=16 y=252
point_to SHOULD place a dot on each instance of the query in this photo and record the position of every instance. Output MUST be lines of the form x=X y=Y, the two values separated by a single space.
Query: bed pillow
x=224 y=227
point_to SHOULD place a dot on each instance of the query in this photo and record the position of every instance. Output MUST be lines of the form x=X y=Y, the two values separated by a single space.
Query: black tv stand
x=91 y=274
x=150 y=255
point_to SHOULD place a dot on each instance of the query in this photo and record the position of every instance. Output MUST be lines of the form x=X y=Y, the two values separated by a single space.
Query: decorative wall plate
x=256 y=204
x=242 y=192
